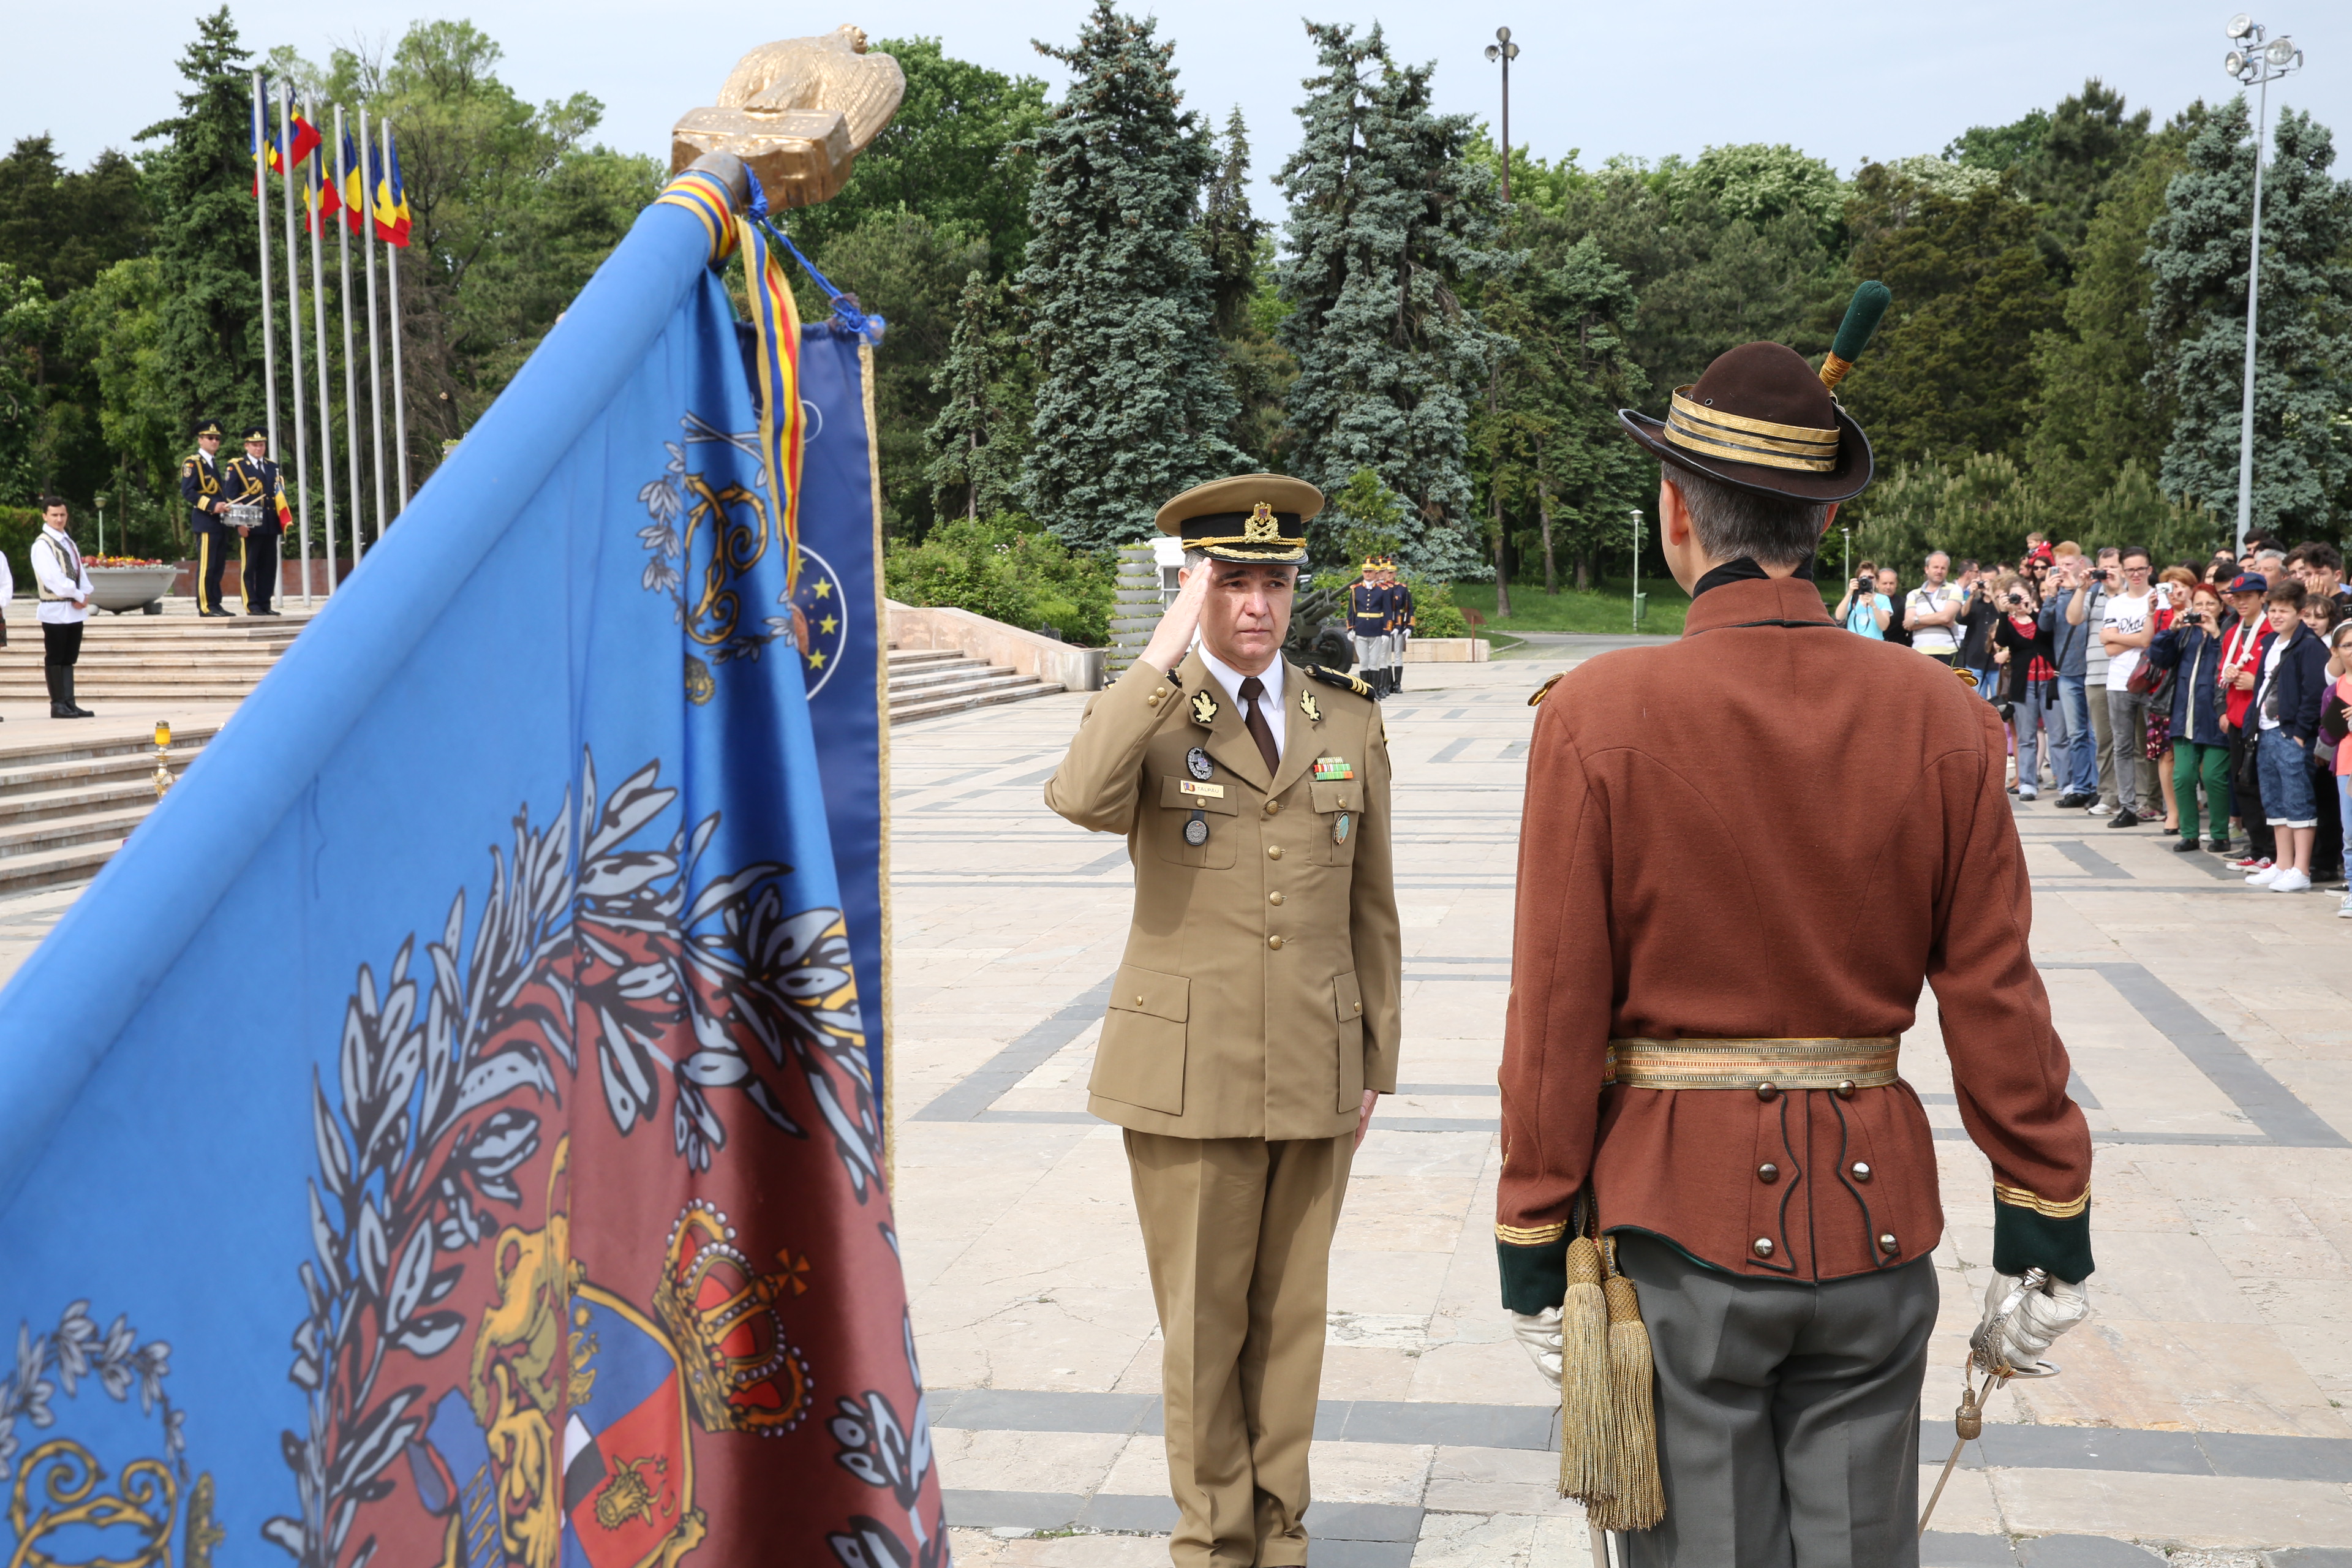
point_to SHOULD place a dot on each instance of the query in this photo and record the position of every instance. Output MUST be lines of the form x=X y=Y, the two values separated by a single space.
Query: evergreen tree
x=2198 y=255
x=975 y=442
x=1389 y=219
x=1132 y=399
x=208 y=356
x=1240 y=249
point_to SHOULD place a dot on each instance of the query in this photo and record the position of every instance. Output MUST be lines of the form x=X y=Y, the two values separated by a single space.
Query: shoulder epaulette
x=1544 y=688
x=1338 y=677
x=187 y=465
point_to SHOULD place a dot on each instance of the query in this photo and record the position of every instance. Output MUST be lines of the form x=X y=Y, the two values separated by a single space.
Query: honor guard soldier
x=254 y=480
x=1400 y=623
x=203 y=485
x=1700 y=1053
x=1254 y=1017
x=1368 y=620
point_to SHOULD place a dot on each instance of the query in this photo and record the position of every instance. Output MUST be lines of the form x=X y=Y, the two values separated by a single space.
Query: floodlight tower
x=1505 y=51
x=2254 y=64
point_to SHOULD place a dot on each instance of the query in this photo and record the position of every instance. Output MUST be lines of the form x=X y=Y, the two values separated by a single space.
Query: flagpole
x=294 y=340
x=351 y=364
x=399 y=397
x=261 y=220
x=375 y=352
x=326 y=402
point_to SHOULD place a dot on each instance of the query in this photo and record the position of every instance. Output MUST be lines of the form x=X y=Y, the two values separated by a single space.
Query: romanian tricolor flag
x=354 y=192
x=392 y=215
x=304 y=134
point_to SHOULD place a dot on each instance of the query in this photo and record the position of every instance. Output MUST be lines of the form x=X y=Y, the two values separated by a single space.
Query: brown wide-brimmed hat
x=1761 y=420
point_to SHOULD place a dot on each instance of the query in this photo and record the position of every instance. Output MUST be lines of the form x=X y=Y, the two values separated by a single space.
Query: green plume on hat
x=1862 y=314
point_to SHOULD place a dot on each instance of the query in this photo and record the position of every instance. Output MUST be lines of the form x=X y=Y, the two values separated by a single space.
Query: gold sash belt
x=1753 y=1064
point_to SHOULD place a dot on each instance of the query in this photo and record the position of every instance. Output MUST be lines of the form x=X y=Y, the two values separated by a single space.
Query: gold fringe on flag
x=1584 y=1377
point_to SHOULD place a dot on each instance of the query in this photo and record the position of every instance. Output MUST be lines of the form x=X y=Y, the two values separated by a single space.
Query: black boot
x=59 y=707
x=61 y=696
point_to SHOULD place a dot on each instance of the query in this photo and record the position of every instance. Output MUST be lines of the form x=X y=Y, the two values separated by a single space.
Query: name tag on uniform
x=1329 y=768
x=1193 y=786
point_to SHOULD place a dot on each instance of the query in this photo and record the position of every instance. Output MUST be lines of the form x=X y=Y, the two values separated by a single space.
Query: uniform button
x=1272 y=806
x=1275 y=897
x=1765 y=1091
x=1888 y=1244
x=1273 y=851
x=1763 y=1247
x=1359 y=1006
x=1861 y=1171
x=1845 y=1088
x=1767 y=1172
x=1139 y=998
x=1274 y=941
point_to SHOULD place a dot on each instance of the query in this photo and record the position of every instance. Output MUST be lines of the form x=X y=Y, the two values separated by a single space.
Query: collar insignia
x=1204 y=709
x=1260 y=528
x=1307 y=706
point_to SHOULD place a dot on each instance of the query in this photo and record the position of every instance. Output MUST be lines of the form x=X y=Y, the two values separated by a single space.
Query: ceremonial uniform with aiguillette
x=203 y=486
x=256 y=482
x=1742 y=854
x=1368 y=621
x=1255 y=1003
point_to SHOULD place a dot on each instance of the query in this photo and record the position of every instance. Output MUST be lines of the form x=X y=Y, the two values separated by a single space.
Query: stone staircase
x=150 y=658
x=68 y=800
x=927 y=682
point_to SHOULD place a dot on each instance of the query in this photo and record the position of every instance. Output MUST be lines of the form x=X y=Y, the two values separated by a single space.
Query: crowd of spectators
x=2207 y=696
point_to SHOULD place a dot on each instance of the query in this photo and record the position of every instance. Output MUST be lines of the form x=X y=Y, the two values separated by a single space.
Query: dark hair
x=1771 y=531
x=2331 y=609
x=2322 y=555
x=2128 y=550
x=2285 y=591
x=47 y=501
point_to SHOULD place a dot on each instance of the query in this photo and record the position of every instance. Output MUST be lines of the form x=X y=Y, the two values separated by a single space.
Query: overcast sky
x=1675 y=76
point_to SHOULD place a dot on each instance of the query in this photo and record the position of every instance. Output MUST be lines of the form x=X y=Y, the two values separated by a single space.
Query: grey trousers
x=2095 y=699
x=1787 y=1414
x=2134 y=774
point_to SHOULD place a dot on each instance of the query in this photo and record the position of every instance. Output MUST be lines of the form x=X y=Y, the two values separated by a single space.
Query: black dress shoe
x=214 y=614
x=2184 y=845
x=2127 y=818
x=2216 y=847
x=2069 y=801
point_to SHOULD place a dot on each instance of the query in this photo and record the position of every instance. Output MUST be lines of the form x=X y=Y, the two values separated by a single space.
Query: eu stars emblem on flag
x=820 y=618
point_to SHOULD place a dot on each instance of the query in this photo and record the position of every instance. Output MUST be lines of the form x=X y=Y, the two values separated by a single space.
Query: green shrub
x=18 y=527
x=1434 y=613
x=1008 y=568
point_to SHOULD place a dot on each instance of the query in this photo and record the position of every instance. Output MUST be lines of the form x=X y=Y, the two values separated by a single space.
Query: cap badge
x=1260 y=527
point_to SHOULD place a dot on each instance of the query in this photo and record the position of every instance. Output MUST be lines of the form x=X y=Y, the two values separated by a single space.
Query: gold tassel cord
x=1584 y=1377
x=1637 y=1496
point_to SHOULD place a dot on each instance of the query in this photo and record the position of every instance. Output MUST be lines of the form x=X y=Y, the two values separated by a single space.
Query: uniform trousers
x=1370 y=651
x=1787 y=1414
x=1237 y=1233
x=216 y=548
x=260 y=569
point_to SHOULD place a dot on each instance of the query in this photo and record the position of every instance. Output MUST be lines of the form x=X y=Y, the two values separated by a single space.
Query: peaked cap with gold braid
x=1762 y=419
x=1257 y=518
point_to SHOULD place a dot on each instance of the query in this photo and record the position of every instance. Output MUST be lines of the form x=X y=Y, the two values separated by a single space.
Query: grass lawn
x=1608 y=609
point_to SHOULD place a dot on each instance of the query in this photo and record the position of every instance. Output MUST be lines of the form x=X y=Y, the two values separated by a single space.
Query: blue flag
x=446 y=1132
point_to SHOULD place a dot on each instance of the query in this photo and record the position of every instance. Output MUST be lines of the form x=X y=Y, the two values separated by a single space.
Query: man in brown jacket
x=1254 y=1020
x=1742 y=855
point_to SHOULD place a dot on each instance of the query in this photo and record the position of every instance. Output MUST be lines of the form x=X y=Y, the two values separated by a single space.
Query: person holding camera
x=1932 y=608
x=2070 y=638
x=1979 y=613
x=1864 y=610
x=2191 y=648
x=2028 y=681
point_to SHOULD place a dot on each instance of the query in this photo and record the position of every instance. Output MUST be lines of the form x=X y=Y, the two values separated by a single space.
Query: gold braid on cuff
x=2048 y=1208
x=1531 y=1235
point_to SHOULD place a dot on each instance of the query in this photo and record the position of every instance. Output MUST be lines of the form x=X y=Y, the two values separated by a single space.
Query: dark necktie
x=1253 y=715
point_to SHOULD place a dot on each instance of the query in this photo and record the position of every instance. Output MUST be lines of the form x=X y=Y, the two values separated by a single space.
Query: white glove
x=1538 y=1335
x=2039 y=1317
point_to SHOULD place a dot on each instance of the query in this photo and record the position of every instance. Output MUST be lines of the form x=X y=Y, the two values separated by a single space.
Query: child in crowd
x=2285 y=713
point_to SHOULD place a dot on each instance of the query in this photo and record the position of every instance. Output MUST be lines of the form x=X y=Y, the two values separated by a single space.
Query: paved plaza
x=2202 y=1415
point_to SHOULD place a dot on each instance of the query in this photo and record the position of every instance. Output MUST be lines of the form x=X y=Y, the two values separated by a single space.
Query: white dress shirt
x=54 y=557
x=1270 y=704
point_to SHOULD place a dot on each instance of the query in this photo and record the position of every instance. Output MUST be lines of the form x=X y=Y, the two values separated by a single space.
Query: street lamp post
x=1505 y=51
x=1640 y=602
x=2254 y=64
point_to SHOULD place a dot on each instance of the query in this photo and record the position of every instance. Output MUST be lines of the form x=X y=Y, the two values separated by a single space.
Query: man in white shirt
x=2127 y=626
x=2089 y=602
x=64 y=603
x=1929 y=610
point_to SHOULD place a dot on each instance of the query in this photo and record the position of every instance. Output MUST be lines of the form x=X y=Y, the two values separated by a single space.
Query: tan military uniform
x=1257 y=1001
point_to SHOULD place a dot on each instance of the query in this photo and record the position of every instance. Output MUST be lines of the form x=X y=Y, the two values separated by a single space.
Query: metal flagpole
x=261 y=219
x=2253 y=296
x=326 y=402
x=399 y=397
x=375 y=352
x=351 y=365
x=294 y=341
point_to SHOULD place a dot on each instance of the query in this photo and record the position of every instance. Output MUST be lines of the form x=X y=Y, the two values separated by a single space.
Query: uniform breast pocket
x=1188 y=812
x=1339 y=813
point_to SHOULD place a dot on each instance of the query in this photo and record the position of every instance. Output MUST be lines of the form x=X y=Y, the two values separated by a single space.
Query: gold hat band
x=1737 y=439
x=1866 y=1063
x=1799 y=434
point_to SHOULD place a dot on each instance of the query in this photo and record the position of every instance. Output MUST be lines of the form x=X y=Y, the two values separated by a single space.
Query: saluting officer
x=253 y=479
x=203 y=485
x=1707 y=1006
x=1254 y=1019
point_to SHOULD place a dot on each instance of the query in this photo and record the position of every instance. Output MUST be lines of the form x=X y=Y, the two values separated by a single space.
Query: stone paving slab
x=2202 y=1413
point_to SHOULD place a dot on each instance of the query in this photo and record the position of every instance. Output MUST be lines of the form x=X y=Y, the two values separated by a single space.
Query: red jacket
x=1768 y=831
x=2244 y=647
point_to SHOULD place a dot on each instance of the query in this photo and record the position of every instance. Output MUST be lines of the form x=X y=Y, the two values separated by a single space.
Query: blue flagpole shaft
x=294 y=335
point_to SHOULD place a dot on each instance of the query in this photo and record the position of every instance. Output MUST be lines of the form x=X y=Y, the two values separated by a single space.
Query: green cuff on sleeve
x=1534 y=1274
x=2025 y=1238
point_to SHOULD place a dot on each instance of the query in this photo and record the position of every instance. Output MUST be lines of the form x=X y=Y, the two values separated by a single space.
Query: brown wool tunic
x=1772 y=831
